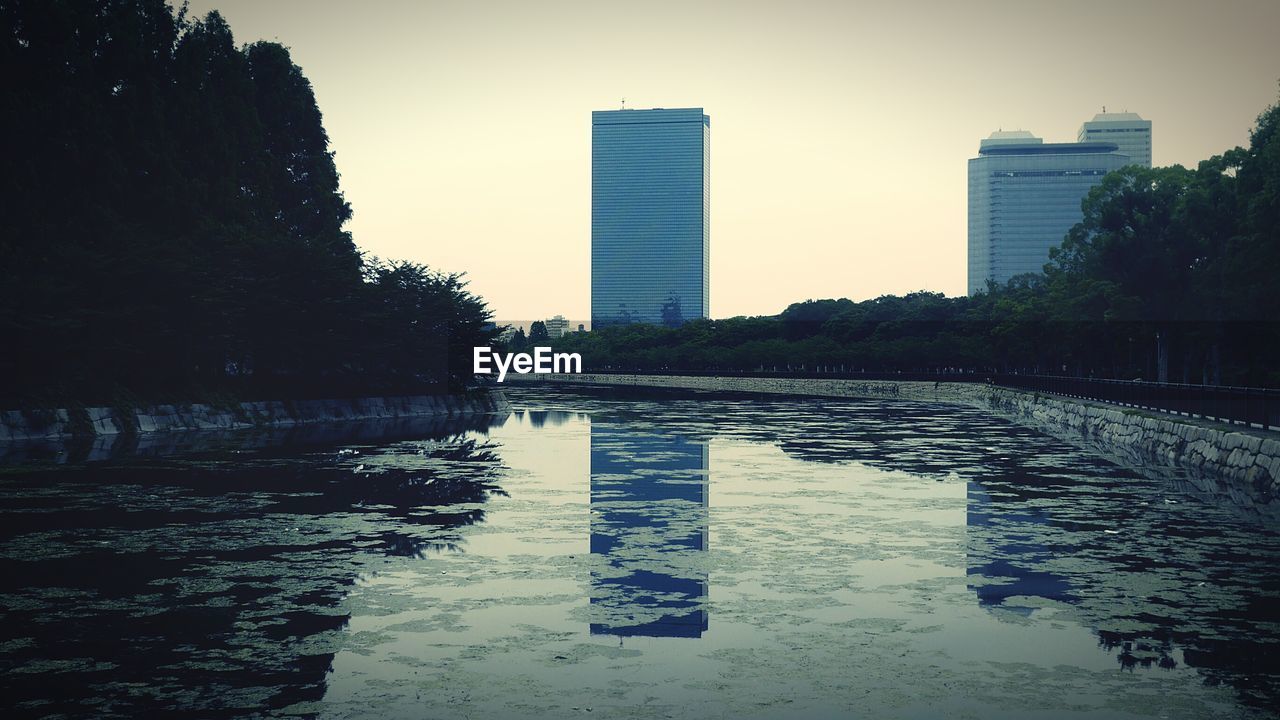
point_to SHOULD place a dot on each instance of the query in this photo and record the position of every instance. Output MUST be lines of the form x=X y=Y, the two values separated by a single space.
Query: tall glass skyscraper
x=1024 y=195
x=650 y=216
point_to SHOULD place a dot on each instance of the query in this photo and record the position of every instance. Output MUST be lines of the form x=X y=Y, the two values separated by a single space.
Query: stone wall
x=1248 y=459
x=1245 y=458
x=18 y=425
x=970 y=393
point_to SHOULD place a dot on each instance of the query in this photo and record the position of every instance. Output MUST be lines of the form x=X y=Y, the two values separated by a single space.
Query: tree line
x=173 y=221
x=1171 y=275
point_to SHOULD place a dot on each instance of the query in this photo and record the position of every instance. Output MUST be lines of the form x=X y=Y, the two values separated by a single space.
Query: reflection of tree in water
x=1162 y=576
x=541 y=418
x=1132 y=653
x=445 y=495
x=266 y=440
x=1158 y=575
x=211 y=586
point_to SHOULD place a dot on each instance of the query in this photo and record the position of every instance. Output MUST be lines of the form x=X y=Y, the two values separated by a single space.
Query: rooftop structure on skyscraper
x=1127 y=130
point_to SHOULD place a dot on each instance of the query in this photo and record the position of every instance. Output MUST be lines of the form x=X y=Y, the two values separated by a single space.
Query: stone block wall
x=1247 y=458
x=18 y=426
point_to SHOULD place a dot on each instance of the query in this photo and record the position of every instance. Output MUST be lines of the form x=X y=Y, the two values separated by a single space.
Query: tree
x=538 y=332
x=174 y=210
x=423 y=326
x=519 y=341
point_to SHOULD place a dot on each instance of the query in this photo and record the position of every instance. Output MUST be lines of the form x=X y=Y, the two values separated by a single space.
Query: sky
x=840 y=131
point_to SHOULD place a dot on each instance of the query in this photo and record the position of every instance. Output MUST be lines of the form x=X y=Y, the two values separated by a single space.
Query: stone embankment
x=18 y=425
x=1245 y=458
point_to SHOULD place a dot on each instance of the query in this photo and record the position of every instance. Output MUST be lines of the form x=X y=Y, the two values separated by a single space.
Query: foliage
x=518 y=341
x=173 y=219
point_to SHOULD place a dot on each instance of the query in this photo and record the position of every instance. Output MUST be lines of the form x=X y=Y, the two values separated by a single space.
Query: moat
x=629 y=554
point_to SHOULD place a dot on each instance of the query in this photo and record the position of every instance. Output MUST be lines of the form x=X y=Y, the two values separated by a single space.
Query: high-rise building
x=1024 y=195
x=650 y=216
x=1127 y=130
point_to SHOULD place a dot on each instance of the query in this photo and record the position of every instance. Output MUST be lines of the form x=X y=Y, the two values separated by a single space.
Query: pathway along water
x=637 y=556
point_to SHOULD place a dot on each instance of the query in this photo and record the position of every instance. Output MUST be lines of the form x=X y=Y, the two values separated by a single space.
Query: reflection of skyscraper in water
x=1004 y=562
x=649 y=524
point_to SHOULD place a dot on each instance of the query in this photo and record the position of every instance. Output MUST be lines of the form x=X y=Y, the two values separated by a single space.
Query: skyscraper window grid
x=650 y=210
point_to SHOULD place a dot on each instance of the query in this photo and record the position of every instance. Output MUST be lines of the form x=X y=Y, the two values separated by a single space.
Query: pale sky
x=839 y=130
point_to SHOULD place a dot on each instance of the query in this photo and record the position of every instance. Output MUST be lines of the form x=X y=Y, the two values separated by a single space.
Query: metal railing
x=1248 y=406
x=819 y=373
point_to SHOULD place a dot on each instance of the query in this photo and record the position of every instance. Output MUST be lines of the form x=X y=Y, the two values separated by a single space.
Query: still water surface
x=627 y=556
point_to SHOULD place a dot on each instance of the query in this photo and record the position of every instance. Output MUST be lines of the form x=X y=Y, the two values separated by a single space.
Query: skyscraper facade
x=1024 y=195
x=1127 y=130
x=650 y=216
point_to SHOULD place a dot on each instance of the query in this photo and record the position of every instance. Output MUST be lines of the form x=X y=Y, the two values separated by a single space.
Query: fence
x=1249 y=406
x=818 y=373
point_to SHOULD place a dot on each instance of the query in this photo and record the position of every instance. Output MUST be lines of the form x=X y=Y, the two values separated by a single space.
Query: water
x=621 y=556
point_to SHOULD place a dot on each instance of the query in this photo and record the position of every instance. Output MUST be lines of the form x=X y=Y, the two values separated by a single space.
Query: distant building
x=527 y=325
x=557 y=326
x=1024 y=195
x=650 y=203
x=1127 y=130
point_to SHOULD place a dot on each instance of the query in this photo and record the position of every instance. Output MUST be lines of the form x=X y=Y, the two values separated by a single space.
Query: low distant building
x=557 y=326
x=564 y=324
